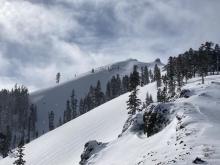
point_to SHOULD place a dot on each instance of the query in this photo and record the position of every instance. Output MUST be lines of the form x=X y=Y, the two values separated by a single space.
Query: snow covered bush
x=156 y=117
x=90 y=149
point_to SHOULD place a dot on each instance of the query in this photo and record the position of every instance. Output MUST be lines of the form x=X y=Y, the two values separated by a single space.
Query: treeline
x=190 y=64
x=115 y=87
x=17 y=118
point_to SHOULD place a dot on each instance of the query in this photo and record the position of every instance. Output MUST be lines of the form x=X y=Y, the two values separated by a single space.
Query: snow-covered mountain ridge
x=54 y=98
x=193 y=132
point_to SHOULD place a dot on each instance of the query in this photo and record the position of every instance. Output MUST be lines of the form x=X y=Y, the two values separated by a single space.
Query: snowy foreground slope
x=54 y=98
x=64 y=145
x=194 y=133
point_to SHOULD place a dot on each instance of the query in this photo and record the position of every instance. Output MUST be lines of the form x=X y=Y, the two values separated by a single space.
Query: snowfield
x=194 y=131
x=64 y=145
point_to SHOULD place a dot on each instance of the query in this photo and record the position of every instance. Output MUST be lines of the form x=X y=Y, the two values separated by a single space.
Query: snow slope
x=64 y=145
x=196 y=134
x=54 y=98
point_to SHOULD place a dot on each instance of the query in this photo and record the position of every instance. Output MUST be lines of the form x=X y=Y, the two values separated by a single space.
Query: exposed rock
x=185 y=93
x=199 y=161
x=90 y=149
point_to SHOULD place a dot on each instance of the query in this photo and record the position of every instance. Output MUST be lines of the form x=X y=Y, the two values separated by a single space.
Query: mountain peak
x=158 y=60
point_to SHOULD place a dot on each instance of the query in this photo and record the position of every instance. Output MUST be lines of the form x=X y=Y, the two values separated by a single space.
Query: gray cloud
x=41 y=37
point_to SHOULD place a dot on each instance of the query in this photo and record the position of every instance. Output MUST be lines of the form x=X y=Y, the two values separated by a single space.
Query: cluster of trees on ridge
x=115 y=87
x=17 y=118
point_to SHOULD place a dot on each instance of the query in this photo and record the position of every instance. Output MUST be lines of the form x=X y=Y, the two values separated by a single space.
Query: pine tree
x=58 y=77
x=99 y=95
x=51 y=120
x=133 y=103
x=108 y=93
x=81 y=107
x=73 y=101
x=148 y=99
x=91 y=101
x=179 y=70
x=67 y=112
x=118 y=85
x=142 y=81
x=159 y=99
x=60 y=122
x=20 y=155
x=146 y=76
x=170 y=75
x=204 y=50
x=217 y=52
x=125 y=84
x=151 y=75
x=157 y=75
x=134 y=79
x=114 y=87
x=165 y=81
x=163 y=95
x=5 y=143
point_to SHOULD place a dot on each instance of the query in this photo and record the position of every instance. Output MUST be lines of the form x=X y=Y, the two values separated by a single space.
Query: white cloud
x=39 y=38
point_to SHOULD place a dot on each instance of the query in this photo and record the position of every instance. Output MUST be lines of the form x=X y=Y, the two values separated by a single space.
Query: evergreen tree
x=67 y=112
x=81 y=107
x=118 y=85
x=134 y=79
x=58 y=77
x=165 y=80
x=159 y=99
x=91 y=98
x=73 y=101
x=217 y=53
x=20 y=155
x=157 y=75
x=114 y=87
x=170 y=75
x=125 y=84
x=142 y=81
x=60 y=122
x=133 y=103
x=179 y=70
x=4 y=144
x=146 y=76
x=108 y=93
x=51 y=120
x=99 y=95
x=163 y=95
x=151 y=75
x=204 y=51
x=148 y=99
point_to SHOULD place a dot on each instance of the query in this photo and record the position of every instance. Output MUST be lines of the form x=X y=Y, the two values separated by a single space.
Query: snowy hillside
x=193 y=132
x=64 y=145
x=54 y=99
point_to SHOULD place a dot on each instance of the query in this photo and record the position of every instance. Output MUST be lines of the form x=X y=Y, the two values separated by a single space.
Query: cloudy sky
x=39 y=38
